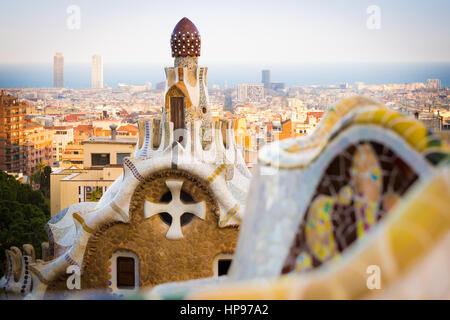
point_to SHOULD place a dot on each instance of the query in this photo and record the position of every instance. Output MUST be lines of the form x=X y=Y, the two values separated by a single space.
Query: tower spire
x=185 y=40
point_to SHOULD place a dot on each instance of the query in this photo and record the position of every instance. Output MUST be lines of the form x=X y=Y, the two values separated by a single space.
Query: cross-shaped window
x=175 y=209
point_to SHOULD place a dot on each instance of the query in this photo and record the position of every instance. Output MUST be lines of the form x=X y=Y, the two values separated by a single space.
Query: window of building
x=222 y=264
x=92 y=194
x=124 y=272
x=100 y=159
x=121 y=157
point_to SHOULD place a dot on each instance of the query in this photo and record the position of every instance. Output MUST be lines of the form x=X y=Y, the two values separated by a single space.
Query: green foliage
x=13 y=190
x=45 y=181
x=96 y=195
x=23 y=215
x=41 y=176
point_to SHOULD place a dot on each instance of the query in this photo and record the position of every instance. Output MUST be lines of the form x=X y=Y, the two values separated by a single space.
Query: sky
x=233 y=31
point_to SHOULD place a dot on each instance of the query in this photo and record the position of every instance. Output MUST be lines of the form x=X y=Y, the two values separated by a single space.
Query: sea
x=78 y=75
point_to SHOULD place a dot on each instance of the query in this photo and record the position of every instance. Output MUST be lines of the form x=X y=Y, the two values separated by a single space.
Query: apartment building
x=23 y=145
x=102 y=164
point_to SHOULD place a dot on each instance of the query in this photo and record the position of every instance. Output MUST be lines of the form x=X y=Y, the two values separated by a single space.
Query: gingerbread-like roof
x=185 y=39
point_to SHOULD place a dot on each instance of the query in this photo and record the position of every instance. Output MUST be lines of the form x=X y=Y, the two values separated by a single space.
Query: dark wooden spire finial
x=185 y=39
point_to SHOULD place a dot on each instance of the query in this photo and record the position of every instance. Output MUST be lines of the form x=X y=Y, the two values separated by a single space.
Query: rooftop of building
x=73 y=117
x=32 y=125
x=84 y=127
x=7 y=99
x=108 y=140
x=59 y=127
x=128 y=127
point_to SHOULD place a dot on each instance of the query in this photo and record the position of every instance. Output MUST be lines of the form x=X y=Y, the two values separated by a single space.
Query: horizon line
x=229 y=62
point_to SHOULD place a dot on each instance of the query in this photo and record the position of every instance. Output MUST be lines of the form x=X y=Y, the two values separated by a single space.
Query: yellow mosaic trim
x=413 y=131
x=86 y=228
x=422 y=221
x=216 y=173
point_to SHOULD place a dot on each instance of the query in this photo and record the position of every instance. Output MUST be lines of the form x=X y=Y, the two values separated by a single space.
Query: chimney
x=113 y=131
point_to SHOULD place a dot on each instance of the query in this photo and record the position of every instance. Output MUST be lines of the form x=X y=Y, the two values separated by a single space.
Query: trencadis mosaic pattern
x=359 y=187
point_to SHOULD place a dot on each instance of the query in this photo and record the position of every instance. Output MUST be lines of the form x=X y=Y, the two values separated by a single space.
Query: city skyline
x=79 y=75
x=296 y=31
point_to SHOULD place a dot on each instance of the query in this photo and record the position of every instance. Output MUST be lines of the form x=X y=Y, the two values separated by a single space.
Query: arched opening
x=124 y=272
x=177 y=102
x=222 y=264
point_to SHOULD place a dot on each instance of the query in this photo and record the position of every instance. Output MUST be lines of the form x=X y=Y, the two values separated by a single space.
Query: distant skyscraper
x=266 y=78
x=58 y=70
x=434 y=84
x=97 y=71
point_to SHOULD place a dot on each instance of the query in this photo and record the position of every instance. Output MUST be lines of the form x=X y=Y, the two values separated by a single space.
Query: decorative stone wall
x=160 y=260
x=58 y=288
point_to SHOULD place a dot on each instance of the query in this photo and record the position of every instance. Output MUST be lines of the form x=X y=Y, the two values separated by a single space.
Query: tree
x=45 y=181
x=21 y=223
x=23 y=215
x=96 y=194
x=41 y=176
